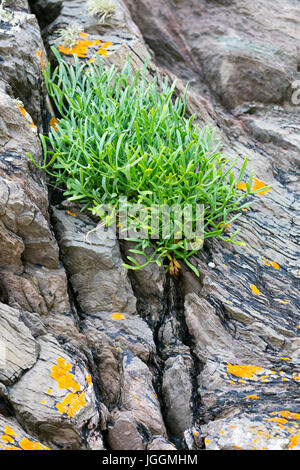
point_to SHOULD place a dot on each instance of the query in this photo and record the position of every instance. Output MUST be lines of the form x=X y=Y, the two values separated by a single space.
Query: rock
x=94 y=265
x=18 y=349
x=21 y=49
x=55 y=399
x=13 y=437
x=128 y=332
x=124 y=434
x=159 y=443
x=177 y=394
x=139 y=397
x=258 y=432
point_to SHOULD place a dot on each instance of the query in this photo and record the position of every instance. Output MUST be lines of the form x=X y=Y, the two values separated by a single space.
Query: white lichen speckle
x=103 y=9
x=69 y=36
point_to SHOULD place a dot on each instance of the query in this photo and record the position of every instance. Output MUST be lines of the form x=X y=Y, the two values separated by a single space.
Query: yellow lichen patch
x=12 y=448
x=243 y=371
x=80 y=48
x=43 y=402
x=207 y=441
x=9 y=431
x=242 y=186
x=72 y=214
x=237 y=447
x=91 y=60
x=255 y=290
x=296 y=377
x=6 y=438
x=26 y=444
x=53 y=123
x=282 y=301
x=22 y=110
x=72 y=403
x=254 y=397
x=293 y=441
x=89 y=379
x=257 y=184
x=289 y=414
x=60 y=373
x=268 y=262
x=195 y=433
x=117 y=316
x=277 y=420
x=103 y=49
x=49 y=391
x=285 y=358
x=298 y=326
x=83 y=35
x=41 y=57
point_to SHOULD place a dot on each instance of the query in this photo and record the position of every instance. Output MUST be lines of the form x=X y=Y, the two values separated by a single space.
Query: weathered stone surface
x=21 y=50
x=13 y=437
x=94 y=265
x=254 y=432
x=177 y=394
x=124 y=433
x=160 y=443
x=18 y=349
x=55 y=399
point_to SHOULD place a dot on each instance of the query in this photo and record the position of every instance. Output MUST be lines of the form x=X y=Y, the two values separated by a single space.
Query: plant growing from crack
x=103 y=9
x=69 y=36
x=120 y=136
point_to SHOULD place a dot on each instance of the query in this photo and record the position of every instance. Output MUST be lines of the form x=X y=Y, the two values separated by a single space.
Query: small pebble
x=211 y=265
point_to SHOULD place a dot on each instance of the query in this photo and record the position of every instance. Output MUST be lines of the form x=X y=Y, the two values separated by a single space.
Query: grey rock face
x=94 y=265
x=55 y=399
x=19 y=350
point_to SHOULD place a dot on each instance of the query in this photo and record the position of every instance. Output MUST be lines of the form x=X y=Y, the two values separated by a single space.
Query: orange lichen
x=293 y=441
x=252 y=396
x=60 y=373
x=242 y=186
x=257 y=184
x=267 y=262
x=83 y=35
x=243 y=371
x=41 y=57
x=26 y=444
x=254 y=289
x=103 y=49
x=89 y=379
x=117 y=316
x=72 y=403
x=53 y=123
x=22 y=110
x=207 y=441
x=289 y=414
x=80 y=48
x=9 y=431
x=72 y=214
x=6 y=438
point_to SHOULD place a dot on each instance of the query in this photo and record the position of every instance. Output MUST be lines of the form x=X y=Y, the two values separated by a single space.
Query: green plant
x=101 y=8
x=119 y=136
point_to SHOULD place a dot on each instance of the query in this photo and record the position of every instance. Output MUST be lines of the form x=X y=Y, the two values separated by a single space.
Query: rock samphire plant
x=121 y=136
